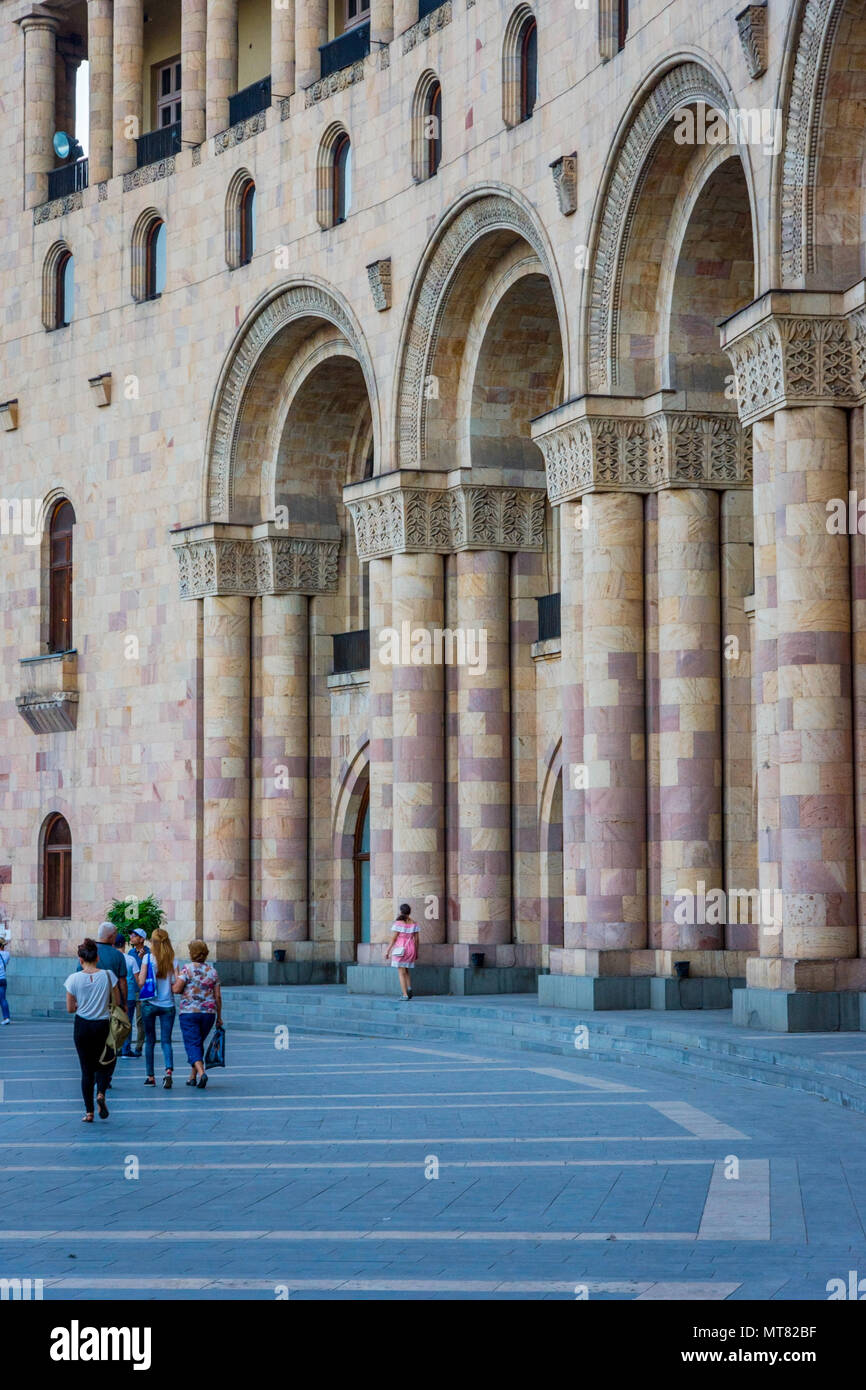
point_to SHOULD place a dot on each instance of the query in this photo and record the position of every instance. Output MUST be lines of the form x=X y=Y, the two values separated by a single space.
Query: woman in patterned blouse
x=199 y=1003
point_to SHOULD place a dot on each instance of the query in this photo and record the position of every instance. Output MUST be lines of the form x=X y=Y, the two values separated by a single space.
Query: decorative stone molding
x=485 y=215
x=58 y=207
x=9 y=414
x=752 y=28
x=804 y=118
x=151 y=173
x=617 y=444
x=102 y=192
x=100 y=387
x=681 y=86
x=236 y=134
x=430 y=24
x=565 y=182
x=334 y=82
x=269 y=564
x=379 y=276
x=48 y=702
x=285 y=108
x=783 y=359
x=440 y=513
x=196 y=156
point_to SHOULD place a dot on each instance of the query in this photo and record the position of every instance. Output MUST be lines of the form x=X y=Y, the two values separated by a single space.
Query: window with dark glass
x=64 y=290
x=57 y=869
x=622 y=23
x=248 y=222
x=60 y=578
x=355 y=12
x=341 y=196
x=155 y=260
x=528 y=69
x=168 y=94
x=433 y=131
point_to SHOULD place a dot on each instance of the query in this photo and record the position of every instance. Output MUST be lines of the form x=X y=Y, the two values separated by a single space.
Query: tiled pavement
x=307 y=1173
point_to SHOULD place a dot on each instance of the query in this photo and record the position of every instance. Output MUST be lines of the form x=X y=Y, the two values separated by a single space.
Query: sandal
x=87 y=1119
x=193 y=1081
x=102 y=1107
x=202 y=1081
x=167 y=1081
x=150 y=1081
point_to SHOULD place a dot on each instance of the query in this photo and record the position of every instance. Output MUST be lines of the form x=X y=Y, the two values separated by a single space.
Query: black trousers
x=89 y=1035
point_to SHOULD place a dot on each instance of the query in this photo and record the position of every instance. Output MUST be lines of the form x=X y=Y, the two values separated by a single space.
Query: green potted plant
x=126 y=913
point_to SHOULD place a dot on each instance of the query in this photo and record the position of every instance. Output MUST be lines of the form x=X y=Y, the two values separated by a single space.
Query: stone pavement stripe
x=326 y=1236
x=265 y=1167
x=681 y=1293
x=698 y=1122
x=582 y=1080
x=685 y=1289
x=346 y=1095
x=324 y=1141
x=738 y=1208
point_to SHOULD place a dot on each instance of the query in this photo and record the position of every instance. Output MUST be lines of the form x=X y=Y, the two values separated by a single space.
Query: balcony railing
x=351 y=651
x=69 y=178
x=157 y=144
x=549 y=617
x=250 y=101
x=349 y=48
x=426 y=7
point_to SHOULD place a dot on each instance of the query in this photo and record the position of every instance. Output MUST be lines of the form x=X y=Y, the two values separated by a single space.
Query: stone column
x=193 y=46
x=222 y=62
x=381 y=21
x=405 y=15
x=100 y=57
x=764 y=679
x=418 y=743
x=690 y=699
x=816 y=793
x=483 y=749
x=130 y=120
x=738 y=773
x=283 y=48
x=382 y=904
x=311 y=31
x=283 y=805
x=571 y=522
x=40 y=59
x=614 y=735
x=226 y=725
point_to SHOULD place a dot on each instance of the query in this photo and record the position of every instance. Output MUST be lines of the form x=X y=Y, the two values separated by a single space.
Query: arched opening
x=528 y=68
x=60 y=578
x=434 y=129
x=56 y=868
x=65 y=290
x=361 y=870
x=58 y=287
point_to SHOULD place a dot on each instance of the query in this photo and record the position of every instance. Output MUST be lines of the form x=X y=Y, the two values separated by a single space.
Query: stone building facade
x=450 y=525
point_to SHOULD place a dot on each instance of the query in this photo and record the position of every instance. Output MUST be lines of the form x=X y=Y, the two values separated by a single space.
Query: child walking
x=403 y=947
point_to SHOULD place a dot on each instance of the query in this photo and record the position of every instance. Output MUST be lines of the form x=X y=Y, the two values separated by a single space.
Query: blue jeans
x=194 y=1028
x=4 y=1007
x=149 y=1015
x=133 y=1013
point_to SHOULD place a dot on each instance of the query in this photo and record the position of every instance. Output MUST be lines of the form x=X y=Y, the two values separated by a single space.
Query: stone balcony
x=49 y=692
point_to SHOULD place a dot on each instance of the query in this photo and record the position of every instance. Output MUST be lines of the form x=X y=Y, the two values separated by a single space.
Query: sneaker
x=6 y=1022
x=149 y=1081
x=166 y=1081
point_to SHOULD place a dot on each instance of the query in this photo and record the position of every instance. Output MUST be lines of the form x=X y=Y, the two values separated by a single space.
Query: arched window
x=56 y=868
x=341 y=191
x=434 y=129
x=240 y=219
x=60 y=578
x=520 y=67
x=622 y=23
x=58 y=287
x=155 y=260
x=247 y=226
x=528 y=68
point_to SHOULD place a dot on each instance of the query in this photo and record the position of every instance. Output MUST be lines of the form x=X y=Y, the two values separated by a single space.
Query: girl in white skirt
x=403 y=949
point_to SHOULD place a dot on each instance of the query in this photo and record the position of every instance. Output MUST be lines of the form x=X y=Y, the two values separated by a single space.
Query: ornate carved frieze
x=334 y=82
x=58 y=207
x=565 y=181
x=236 y=134
x=644 y=453
x=262 y=565
x=815 y=41
x=786 y=360
x=436 y=19
x=151 y=173
x=379 y=276
x=444 y=519
x=752 y=27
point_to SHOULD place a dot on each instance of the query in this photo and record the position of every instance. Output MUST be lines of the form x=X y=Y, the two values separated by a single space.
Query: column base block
x=590 y=992
x=383 y=979
x=710 y=992
x=287 y=972
x=790 y=1011
x=496 y=979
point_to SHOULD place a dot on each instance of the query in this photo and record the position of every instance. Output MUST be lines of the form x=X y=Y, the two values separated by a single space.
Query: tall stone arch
x=268 y=318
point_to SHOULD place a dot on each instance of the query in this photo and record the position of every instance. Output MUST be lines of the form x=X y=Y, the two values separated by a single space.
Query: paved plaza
x=310 y=1172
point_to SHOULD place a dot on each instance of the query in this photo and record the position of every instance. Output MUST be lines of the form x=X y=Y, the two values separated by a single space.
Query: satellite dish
x=62 y=144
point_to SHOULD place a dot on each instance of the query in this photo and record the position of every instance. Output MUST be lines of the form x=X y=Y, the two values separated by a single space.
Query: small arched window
x=155 y=260
x=65 y=291
x=433 y=130
x=57 y=868
x=622 y=24
x=247 y=222
x=58 y=287
x=528 y=68
x=60 y=578
x=341 y=188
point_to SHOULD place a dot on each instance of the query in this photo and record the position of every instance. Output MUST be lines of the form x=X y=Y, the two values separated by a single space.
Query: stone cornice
x=798 y=348
x=623 y=444
x=413 y=511
x=222 y=560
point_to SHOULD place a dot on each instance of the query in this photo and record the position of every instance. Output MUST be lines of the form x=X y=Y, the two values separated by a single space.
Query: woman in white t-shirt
x=89 y=992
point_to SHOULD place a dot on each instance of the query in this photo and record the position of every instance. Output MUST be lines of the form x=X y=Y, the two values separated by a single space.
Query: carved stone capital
x=224 y=560
x=564 y=172
x=622 y=445
x=379 y=276
x=413 y=512
x=752 y=27
x=787 y=351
